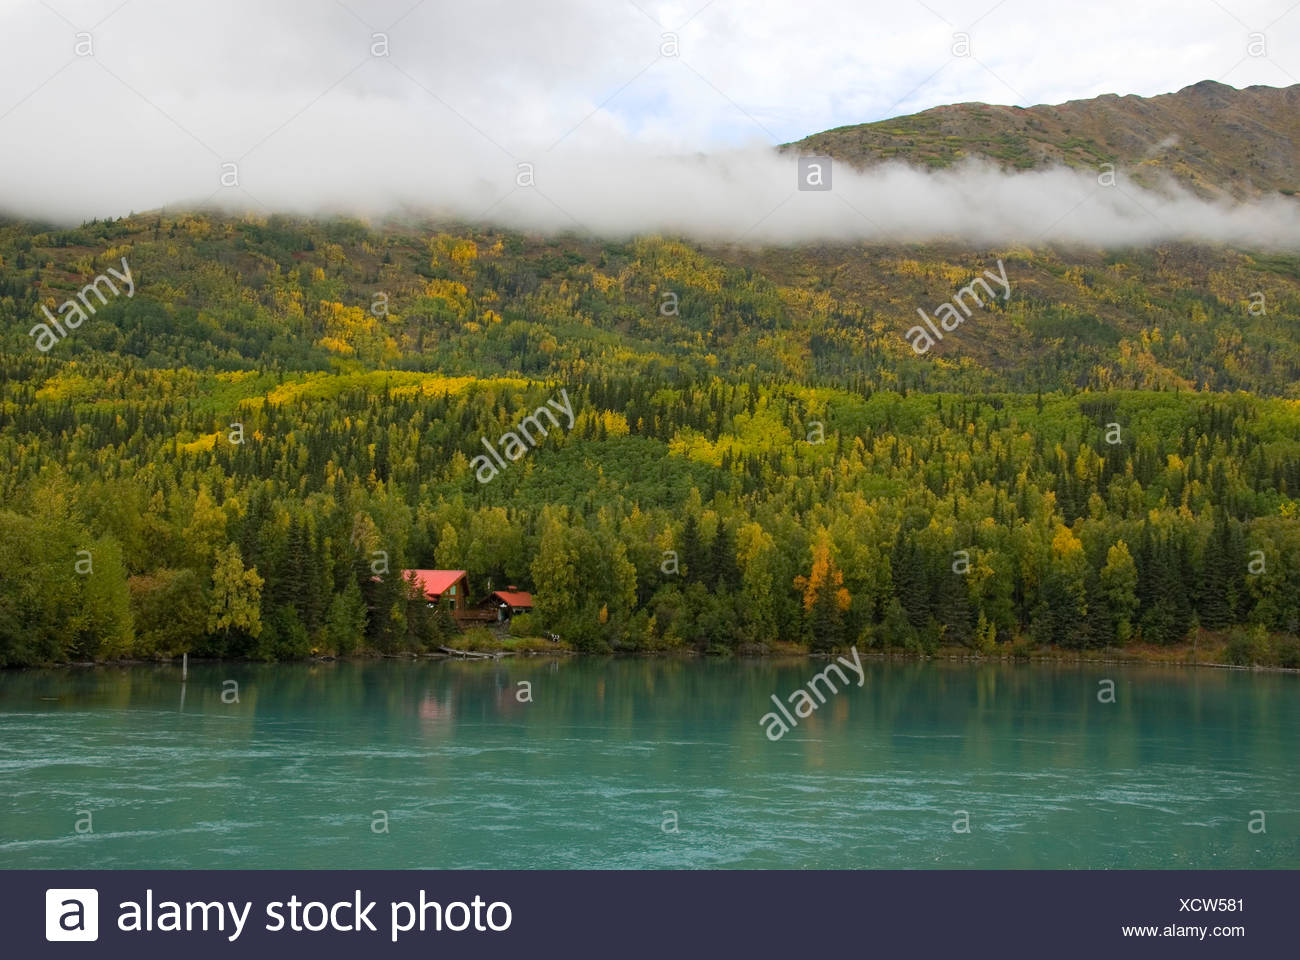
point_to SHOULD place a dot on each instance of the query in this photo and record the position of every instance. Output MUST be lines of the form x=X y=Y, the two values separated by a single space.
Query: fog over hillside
x=609 y=118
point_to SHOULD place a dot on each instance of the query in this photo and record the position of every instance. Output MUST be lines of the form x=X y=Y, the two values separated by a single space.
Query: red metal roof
x=514 y=598
x=433 y=582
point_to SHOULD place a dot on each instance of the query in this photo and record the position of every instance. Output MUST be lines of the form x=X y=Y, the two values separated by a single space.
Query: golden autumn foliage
x=824 y=579
x=840 y=477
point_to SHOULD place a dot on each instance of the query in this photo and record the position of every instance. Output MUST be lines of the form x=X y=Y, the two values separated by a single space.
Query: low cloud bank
x=754 y=196
x=749 y=195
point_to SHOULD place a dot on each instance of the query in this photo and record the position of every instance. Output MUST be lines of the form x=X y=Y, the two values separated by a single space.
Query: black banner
x=322 y=914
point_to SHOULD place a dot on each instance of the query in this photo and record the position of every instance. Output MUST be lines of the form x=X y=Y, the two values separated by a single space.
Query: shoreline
x=1170 y=657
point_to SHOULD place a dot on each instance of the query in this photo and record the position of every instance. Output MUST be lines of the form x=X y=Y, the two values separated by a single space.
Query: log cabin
x=451 y=588
x=504 y=604
x=441 y=587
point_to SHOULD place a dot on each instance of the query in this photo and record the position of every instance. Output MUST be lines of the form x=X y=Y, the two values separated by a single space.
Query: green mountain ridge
x=1215 y=140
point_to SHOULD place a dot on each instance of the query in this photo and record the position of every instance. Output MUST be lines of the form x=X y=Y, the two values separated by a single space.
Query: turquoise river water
x=623 y=763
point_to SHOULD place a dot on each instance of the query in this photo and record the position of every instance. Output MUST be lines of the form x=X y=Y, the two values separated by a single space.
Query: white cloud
x=289 y=91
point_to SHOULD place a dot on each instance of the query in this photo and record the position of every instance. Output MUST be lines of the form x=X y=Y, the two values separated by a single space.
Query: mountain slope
x=280 y=414
x=236 y=294
x=1216 y=140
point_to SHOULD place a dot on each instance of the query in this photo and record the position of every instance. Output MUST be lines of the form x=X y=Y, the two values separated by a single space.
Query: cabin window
x=453 y=604
x=452 y=591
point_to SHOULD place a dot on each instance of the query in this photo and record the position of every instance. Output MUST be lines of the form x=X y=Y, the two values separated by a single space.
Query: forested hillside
x=238 y=458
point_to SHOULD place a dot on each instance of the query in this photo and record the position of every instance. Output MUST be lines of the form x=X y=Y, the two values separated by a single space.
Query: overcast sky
x=109 y=106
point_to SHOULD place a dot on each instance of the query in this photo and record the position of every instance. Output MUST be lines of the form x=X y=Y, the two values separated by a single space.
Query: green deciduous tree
x=235 y=605
x=1119 y=580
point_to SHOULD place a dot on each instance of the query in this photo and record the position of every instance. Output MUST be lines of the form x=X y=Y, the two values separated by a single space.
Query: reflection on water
x=472 y=774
